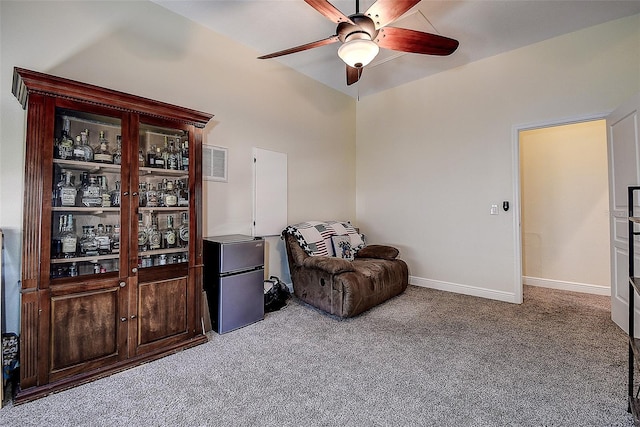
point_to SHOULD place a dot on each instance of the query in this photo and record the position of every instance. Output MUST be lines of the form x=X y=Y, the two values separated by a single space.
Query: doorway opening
x=564 y=206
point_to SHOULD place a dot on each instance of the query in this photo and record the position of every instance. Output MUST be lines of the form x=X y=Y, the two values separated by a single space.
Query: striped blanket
x=315 y=237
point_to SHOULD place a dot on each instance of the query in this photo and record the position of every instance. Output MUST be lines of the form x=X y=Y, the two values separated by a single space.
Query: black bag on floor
x=276 y=296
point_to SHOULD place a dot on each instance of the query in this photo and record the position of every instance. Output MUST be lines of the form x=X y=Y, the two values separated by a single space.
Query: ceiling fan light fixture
x=358 y=53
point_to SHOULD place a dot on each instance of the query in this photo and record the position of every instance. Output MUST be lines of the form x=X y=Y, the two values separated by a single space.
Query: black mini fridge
x=234 y=280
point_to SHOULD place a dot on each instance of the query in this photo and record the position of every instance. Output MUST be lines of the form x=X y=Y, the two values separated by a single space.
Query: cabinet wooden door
x=88 y=327
x=162 y=309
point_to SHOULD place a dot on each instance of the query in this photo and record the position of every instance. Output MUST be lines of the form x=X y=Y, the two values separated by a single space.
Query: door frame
x=517 y=212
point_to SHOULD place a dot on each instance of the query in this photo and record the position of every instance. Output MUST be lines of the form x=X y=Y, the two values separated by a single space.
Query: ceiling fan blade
x=307 y=46
x=328 y=10
x=353 y=75
x=384 y=12
x=415 y=41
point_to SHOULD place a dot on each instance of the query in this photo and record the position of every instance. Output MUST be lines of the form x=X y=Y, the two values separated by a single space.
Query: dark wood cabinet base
x=32 y=393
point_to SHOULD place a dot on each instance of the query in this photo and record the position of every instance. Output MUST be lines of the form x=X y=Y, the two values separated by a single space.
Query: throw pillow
x=342 y=247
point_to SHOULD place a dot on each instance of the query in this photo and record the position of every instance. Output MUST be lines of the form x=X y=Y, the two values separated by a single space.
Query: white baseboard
x=585 y=288
x=464 y=289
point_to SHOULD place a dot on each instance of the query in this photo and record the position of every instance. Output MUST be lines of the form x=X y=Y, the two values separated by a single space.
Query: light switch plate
x=494 y=209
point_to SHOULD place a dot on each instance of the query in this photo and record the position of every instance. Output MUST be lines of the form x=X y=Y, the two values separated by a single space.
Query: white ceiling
x=483 y=27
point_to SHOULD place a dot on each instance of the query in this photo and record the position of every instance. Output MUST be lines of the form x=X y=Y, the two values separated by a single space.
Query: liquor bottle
x=151 y=157
x=178 y=149
x=78 y=151
x=104 y=243
x=115 y=195
x=165 y=153
x=65 y=145
x=170 y=196
x=183 y=231
x=170 y=236
x=84 y=182
x=108 y=230
x=86 y=148
x=73 y=270
x=57 y=188
x=141 y=161
x=159 y=159
x=142 y=194
x=185 y=155
x=152 y=196
x=67 y=191
x=117 y=155
x=56 y=240
x=161 y=187
x=155 y=238
x=106 y=196
x=142 y=235
x=172 y=157
x=183 y=193
x=102 y=154
x=69 y=239
x=89 y=245
x=115 y=239
x=91 y=193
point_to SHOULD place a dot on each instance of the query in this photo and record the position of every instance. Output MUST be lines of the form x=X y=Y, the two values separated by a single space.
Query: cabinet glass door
x=163 y=201
x=85 y=198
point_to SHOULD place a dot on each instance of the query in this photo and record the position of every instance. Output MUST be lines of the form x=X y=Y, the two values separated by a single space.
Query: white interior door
x=623 y=145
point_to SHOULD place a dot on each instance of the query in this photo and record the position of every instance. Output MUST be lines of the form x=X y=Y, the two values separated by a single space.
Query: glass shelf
x=164 y=209
x=82 y=209
x=93 y=259
x=163 y=251
x=146 y=171
x=91 y=167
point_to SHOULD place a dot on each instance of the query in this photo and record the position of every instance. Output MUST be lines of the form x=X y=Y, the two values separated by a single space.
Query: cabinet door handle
x=133 y=316
x=134 y=270
x=126 y=193
x=123 y=284
x=123 y=319
x=135 y=193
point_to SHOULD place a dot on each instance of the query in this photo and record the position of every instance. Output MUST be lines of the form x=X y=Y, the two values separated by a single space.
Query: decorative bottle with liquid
x=67 y=191
x=104 y=242
x=115 y=239
x=102 y=153
x=170 y=195
x=142 y=235
x=91 y=193
x=89 y=245
x=66 y=143
x=56 y=240
x=106 y=196
x=155 y=238
x=185 y=155
x=115 y=195
x=170 y=235
x=183 y=231
x=117 y=155
x=69 y=239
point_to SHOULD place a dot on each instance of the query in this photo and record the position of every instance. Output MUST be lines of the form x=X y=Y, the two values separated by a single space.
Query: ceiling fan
x=363 y=34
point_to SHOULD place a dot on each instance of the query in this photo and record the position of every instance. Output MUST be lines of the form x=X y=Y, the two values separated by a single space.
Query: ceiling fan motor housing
x=364 y=28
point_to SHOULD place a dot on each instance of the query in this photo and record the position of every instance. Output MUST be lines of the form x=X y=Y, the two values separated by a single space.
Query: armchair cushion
x=330 y=265
x=378 y=251
x=342 y=247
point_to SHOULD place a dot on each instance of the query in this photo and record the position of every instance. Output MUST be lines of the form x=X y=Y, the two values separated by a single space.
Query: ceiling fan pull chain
x=357 y=6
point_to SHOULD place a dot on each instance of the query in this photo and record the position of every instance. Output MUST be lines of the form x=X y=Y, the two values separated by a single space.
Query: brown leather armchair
x=346 y=288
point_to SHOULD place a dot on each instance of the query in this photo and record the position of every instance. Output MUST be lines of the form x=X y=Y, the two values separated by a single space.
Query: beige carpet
x=424 y=358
